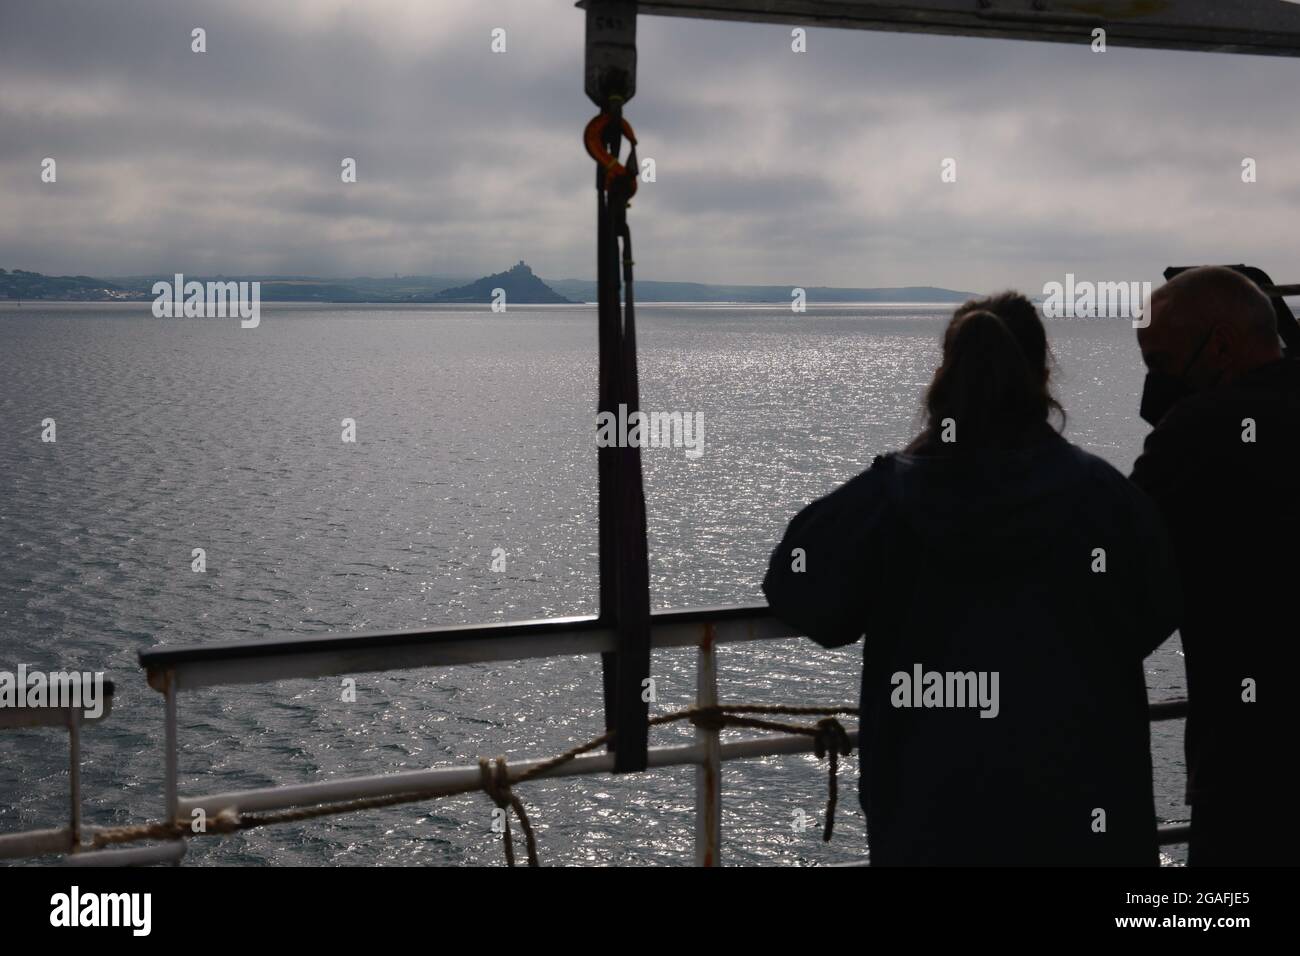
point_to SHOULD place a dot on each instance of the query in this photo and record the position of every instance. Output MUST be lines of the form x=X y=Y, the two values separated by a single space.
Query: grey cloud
x=820 y=168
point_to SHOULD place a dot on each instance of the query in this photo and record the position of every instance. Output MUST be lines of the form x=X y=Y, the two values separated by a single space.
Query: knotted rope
x=830 y=739
x=828 y=734
x=495 y=777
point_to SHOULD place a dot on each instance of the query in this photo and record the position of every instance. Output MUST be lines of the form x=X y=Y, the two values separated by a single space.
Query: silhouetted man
x=1223 y=465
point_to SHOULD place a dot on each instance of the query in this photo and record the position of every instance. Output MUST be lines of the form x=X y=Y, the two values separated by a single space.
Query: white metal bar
x=35 y=843
x=708 y=773
x=263 y=661
x=346 y=660
x=14 y=718
x=170 y=795
x=74 y=773
x=446 y=781
x=171 y=852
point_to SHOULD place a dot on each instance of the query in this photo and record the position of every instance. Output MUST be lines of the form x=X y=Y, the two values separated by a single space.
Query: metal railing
x=59 y=839
x=171 y=670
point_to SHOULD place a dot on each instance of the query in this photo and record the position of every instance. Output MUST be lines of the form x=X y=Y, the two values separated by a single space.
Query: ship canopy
x=1227 y=26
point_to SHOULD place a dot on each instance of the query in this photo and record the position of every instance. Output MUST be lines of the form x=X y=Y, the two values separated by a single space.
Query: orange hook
x=594 y=139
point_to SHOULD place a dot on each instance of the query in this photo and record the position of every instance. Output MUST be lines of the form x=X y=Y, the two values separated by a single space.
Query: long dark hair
x=1023 y=321
x=991 y=389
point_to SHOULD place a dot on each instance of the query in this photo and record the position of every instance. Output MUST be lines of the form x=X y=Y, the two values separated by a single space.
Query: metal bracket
x=610 y=61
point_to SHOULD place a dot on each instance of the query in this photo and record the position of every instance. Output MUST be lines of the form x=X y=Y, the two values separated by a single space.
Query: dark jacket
x=1233 y=512
x=986 y=564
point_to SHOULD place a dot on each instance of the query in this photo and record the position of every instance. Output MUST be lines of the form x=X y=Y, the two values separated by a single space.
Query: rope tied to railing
x=495 y=778
x=830 y=739
x=227 y=821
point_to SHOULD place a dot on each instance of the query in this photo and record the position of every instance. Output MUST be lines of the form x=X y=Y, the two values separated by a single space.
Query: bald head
x=1208 y=326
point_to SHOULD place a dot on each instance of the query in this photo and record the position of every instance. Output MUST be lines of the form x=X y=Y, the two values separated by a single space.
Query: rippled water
x=473 y=433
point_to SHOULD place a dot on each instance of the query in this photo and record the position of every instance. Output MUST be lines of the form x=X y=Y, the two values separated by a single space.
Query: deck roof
x=1269 y=27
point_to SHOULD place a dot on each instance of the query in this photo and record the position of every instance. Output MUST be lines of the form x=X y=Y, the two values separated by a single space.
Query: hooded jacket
x=1041 y=565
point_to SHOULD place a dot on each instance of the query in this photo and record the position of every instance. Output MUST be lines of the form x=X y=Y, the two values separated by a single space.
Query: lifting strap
x=624 y=565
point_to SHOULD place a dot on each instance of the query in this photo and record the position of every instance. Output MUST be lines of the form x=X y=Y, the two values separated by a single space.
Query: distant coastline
x=520 y=284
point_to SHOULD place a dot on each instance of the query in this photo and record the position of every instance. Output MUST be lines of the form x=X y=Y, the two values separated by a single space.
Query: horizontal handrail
x=450 y=781
x=55 y=716
x=32 y=843
x=153 y=855
x=263 y=660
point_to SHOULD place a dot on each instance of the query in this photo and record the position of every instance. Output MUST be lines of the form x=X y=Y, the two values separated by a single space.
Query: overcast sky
x=820 y=168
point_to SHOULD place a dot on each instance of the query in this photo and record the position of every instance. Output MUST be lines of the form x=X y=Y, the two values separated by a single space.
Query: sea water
x=468 y=495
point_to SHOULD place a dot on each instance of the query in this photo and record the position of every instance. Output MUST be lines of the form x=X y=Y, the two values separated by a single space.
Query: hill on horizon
x=651 y=290
x=521 y=285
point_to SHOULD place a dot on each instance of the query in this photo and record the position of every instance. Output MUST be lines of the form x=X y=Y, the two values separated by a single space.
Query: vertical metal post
x=708 y=773
x=610 y=82
x=169 y=784
x=74 y=776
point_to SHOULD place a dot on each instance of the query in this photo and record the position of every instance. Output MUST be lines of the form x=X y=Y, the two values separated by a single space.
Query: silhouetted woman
x=1008 y=586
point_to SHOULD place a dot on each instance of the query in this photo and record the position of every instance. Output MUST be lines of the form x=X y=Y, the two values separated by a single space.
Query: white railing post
x=708 y=773
x=74 y=775
x=169 y=785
